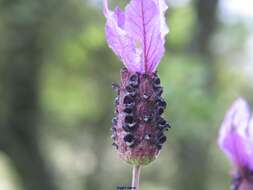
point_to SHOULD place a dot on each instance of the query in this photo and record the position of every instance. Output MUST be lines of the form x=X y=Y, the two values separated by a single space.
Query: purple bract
x=236 y=140
x=137 y=35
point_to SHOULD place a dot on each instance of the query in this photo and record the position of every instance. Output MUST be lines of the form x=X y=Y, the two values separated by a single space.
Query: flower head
x=236 y=139
x=137 y=35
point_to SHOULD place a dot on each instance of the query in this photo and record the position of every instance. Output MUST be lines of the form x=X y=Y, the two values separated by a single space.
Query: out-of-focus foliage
x=76 y=100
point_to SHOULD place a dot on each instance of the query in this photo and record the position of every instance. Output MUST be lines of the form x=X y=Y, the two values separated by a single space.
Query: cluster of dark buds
x=138 y=126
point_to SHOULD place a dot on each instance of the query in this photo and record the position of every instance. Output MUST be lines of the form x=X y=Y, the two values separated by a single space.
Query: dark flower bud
x=131 y=91
x=147 y=118
x=128 y=110
x=133 y=94
x=134 y=80
x=159 y=91
x=146 y=95
x=161 y=103
x=128 y=100
x=129 y=139
x=130 y=88
x=129 y=127
x=156 y=82
x=159 y=146
x=129 y=119
x=134 y=77
x=160 y=110
x=159 y=134
x=162 y=139
x=161 y=123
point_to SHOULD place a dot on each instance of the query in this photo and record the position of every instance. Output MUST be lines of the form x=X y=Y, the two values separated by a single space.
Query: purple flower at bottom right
x=236 y=141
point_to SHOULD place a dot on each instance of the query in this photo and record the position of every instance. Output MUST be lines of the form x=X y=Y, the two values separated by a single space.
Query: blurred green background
x=56 y=99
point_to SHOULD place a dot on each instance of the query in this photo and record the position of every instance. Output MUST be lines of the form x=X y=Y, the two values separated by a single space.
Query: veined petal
x=164 y=30
x=115 y=35
x=145 y=22
x=137 y=36
x=117 y=38
x=234 y=134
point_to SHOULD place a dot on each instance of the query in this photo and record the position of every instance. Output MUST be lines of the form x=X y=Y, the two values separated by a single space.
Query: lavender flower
x=236 y=140
x=137 y=37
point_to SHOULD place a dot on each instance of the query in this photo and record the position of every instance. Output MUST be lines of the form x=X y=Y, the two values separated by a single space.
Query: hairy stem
x=136 y=177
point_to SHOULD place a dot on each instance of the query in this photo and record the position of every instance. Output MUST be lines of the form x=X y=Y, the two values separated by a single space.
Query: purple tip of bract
x=137 y=35
x=235 y=137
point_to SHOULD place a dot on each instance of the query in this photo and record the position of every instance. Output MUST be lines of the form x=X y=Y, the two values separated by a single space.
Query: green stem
x=136 y=177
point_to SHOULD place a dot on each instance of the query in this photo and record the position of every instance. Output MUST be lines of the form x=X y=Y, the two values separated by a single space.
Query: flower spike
x=137 y=36
x=235 y=139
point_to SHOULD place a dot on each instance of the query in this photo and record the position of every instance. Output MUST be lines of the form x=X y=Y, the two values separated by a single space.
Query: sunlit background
x=56 y=101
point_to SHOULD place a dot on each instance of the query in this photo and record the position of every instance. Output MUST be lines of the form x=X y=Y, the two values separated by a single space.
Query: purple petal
x=234 y=134
x=238 y=149
x=145 y=22
x=116 y=36
x=118 y=40
x=137 y=36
